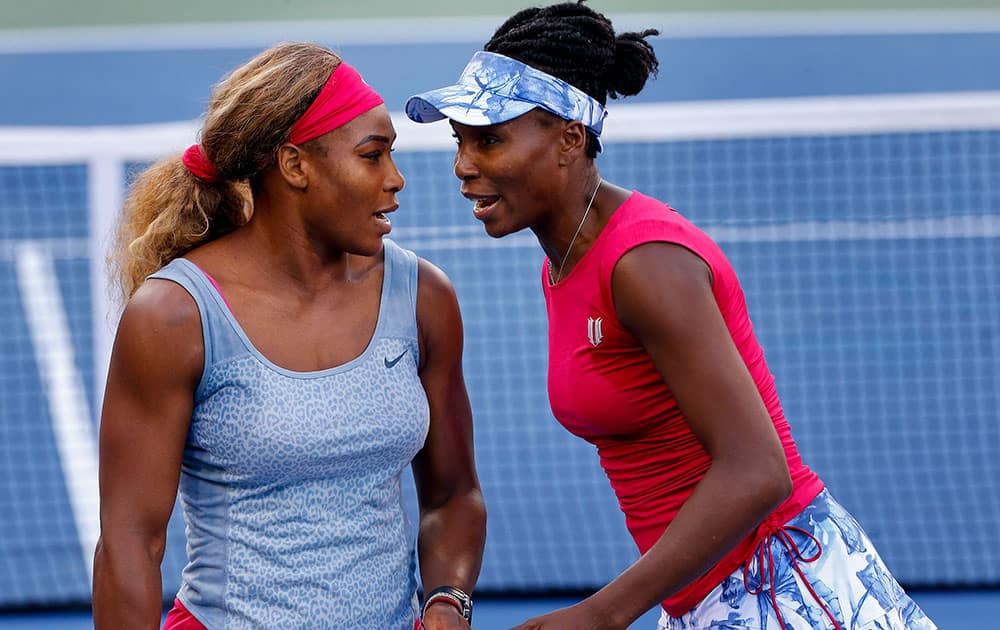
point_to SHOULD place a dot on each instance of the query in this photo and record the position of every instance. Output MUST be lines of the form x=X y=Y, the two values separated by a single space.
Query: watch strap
x=450 y=595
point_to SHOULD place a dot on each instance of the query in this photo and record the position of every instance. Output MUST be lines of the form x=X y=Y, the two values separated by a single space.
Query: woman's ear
x=290 y=164
x=572 y=142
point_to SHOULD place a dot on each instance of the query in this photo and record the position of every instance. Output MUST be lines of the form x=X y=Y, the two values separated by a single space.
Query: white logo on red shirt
x=594 y=333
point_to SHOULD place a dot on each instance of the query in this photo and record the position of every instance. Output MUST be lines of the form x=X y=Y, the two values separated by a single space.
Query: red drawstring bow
x=764 y=558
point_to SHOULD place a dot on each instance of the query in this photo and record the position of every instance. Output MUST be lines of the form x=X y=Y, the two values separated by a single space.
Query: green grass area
x=15 y=14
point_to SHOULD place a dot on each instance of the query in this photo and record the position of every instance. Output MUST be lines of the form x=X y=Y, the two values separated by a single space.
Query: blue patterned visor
x=494 y=89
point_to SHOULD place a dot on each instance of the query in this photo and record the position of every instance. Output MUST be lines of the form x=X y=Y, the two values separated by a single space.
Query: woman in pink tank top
x=652 y=357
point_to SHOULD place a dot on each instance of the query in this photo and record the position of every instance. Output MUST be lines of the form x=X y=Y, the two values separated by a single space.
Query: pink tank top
x=604 y=388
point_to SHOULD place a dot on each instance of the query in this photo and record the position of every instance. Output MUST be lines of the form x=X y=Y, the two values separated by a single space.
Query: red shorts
x=180 y=619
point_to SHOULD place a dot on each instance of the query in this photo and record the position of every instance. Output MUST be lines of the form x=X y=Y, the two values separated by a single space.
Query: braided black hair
x=573 y=42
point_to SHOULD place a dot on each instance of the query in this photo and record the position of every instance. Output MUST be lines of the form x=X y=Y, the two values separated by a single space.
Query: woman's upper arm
x=663 y=294
x=446 y=463
x=156 y=364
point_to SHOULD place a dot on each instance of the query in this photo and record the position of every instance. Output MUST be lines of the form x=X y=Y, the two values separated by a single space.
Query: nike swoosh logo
x=391 y=364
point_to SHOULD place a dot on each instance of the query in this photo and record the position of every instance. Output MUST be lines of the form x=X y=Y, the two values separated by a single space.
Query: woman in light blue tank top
x=281 y=363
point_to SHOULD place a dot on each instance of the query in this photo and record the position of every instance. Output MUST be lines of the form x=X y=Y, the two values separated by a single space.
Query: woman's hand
x=444 y=616
x=582 y=616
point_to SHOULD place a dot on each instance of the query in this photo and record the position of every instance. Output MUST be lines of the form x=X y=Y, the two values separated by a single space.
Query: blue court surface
x=951 y=610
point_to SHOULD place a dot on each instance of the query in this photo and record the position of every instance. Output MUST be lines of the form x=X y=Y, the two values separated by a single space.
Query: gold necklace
x=575 y=234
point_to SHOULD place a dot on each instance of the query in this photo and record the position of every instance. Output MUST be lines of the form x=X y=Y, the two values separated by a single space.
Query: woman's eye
x=372 y=155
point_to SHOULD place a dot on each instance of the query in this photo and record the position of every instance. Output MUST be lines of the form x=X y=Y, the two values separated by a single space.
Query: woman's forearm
x=703 y=532
x=128 y=589
x=450 y=542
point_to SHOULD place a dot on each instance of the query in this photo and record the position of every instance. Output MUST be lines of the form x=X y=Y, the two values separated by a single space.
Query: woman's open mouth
x=383 y=221
x=484 y=205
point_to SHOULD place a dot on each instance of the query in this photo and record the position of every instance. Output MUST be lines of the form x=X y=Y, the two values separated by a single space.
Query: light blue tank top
x=291 y=480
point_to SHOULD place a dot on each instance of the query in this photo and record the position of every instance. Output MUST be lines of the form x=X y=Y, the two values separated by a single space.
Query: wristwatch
x=450 y=595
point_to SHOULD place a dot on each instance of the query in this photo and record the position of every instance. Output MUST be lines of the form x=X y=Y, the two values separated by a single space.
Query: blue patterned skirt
x=819 y=571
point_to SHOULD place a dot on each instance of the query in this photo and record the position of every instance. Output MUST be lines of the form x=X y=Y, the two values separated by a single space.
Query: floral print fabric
x=847 y=582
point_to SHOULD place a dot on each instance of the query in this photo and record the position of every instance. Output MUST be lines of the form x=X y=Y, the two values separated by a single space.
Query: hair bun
x=635 y=61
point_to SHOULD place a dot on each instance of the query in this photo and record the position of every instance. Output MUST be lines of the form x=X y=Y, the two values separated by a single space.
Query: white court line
x=476 y=30
x=965 y=226
x=804 y=116
x=61 y=248
x=71 y=421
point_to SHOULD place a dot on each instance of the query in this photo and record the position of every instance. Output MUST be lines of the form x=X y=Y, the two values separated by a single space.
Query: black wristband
x=452 y=595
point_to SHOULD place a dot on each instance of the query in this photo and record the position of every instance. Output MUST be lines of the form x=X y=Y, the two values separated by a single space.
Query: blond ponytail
x=167 y=213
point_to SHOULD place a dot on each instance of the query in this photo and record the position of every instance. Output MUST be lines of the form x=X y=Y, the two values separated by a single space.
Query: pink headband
x=344 y=97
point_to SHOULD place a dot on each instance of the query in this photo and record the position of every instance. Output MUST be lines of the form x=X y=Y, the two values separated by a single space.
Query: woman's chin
x=497 y=229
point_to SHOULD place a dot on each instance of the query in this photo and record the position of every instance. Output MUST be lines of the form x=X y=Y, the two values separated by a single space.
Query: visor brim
x=475 y=108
